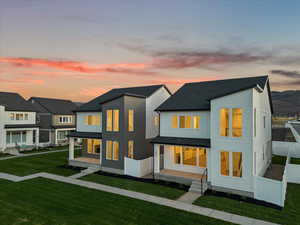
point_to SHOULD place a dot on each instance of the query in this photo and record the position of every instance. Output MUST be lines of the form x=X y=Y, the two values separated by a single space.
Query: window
x=224 y=157
x=130 y=149
x=188 y=122
x=174 y=121
x=264 y=121
x=255 y=122
x=237 y=122
x=24 y=137
x=156 y=120
x=237 y=164
x=65 y=119
x=177 y=154
x=116 y=150
x=189 y=156
x=26 y=116
x=109 y=115
x=130 y=120
x=196 y=122
x=116 y=120
x=109 y=149
x=8 y=141
x=92 y=120
x=202 y=157
x=62 y=135
x=19 y=116
x=93 y=146
x=224 y=122
x=16 y=137
x=12 y=116
x=181 y=121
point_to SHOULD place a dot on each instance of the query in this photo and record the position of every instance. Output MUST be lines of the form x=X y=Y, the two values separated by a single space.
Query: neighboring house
x=56 y=119
x=217 y=132
x=18 y=127
x=116 y=129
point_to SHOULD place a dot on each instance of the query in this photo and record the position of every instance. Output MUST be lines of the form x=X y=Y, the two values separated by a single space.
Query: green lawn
x=42 y=202
x=46 y=149
x=289 y=215
x=276 y=159
x=51 y=163
x=295 y=161
x=138 y=186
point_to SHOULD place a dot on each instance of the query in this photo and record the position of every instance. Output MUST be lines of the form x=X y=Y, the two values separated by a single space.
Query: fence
x=138 y=168
x=285 y=148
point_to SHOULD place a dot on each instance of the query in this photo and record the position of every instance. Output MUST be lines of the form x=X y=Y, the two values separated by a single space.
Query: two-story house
x=116 y=129
x=18 y=128
x=217 y=132
x=56 y=119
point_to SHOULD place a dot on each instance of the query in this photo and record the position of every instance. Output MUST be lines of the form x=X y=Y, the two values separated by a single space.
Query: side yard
x=42 y=201
x=289 y=215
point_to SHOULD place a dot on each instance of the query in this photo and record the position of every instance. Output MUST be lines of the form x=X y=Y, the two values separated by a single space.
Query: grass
x=46 y=149
x=289 y=215
x=276 y=159
x=51 y=163
x=41 y=202
x=138 y=186
x=295 y=161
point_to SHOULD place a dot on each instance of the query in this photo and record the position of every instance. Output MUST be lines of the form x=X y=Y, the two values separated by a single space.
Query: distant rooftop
x=15 y=102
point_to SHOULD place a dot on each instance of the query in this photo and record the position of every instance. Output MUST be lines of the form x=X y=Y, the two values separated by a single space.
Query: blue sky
x=131 y=42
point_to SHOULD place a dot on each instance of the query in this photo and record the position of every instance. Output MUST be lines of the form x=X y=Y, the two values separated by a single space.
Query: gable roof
x=54 y=106
x=95 y=104
x=15 y=102
x=197 y=96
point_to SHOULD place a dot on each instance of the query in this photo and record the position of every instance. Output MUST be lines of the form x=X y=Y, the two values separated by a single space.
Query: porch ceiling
x=85 y=135
x=201 y=142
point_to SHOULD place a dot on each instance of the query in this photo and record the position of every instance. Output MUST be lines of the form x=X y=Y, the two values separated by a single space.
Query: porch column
x=55 y=137
x=156 y=158
x=71 y=148
x=37 y=138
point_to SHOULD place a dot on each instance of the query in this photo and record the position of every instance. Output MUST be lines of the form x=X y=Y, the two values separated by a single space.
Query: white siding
x=8 y=121
x=152 y=103
x=82 y=127
x=202 y=132
x=242 y=144
x=2 y=136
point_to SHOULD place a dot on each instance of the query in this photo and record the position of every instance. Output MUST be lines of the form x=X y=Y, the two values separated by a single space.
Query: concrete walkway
x=32 y=154
x=85 y=172
x=189 y=197
x=145 y=197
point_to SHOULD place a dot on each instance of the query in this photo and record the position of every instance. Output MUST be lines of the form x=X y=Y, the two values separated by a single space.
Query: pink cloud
x=23 y=80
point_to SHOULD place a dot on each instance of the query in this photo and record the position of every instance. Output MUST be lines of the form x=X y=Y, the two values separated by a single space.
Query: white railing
x=293 y=171
x=286 y=148
x=138 y=168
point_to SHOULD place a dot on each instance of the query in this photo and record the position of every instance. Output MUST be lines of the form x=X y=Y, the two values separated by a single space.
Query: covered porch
x=90 y=154
x=181 y=160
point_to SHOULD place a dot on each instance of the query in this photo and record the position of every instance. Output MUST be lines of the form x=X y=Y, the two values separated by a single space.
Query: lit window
x=12 y=116
x=92 y=120
x=237 y=122
x=19 y=116
x=116 y=120
x=174 y=121
x=109 y=150
x=224 y=122
x=196 y=122
x=224 y=157
x=93 y=146
x=189 y=156
x=109 y=120
x=116 y=150
x=188 y=122
x=237 y=164
x=177 y=154
x=181 y=121
x=202 y=157
x=130 y=120
x=130 y=149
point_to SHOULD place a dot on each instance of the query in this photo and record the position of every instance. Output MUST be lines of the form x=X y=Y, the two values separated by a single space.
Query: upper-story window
x=18 y=116
x=92 y=120
x=65 y=119
x=186 y=121
x=130 y=120
x=156 y=120
x=236 y=128
x=112 y=120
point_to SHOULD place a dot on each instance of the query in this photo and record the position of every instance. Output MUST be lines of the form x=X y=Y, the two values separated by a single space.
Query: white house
x=216 y=135
x=18 y=128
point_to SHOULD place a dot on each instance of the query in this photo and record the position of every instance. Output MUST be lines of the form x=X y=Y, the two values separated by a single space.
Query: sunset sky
x=75 y=49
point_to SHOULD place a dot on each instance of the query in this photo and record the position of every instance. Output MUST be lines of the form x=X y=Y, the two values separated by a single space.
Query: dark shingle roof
x=95 y=104
x=15 y=102
x=200 y=142
x=197 y=96
x=51 y=105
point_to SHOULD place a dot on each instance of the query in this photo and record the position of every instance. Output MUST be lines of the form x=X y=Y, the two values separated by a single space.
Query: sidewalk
x=32 y=154
x=229 y=217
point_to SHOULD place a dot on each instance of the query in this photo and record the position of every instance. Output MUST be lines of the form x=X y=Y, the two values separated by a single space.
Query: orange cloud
x=23 y=80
